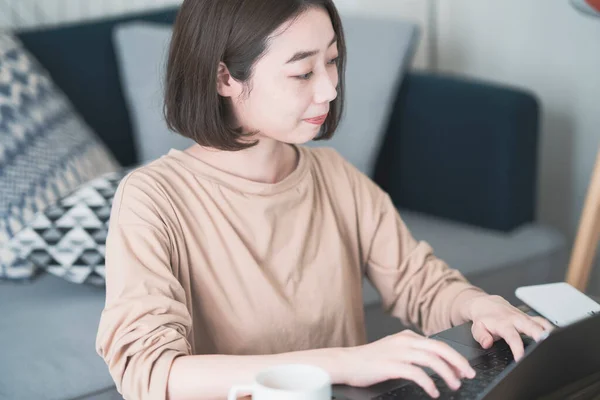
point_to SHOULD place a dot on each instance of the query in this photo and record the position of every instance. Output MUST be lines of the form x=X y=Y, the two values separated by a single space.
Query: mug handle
x=233 y=392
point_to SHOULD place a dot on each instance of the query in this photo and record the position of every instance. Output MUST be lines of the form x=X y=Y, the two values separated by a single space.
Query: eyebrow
x=301 y=55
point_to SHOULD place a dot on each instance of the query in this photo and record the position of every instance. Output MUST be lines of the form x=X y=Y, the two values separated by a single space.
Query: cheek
x=279 y=103
x=290 y=100
x=270 y=111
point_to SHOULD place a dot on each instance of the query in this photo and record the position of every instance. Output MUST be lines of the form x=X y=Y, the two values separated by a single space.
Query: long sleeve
x=145 y=323
x=415 y=286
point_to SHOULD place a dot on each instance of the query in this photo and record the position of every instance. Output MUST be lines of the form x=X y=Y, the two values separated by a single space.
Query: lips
x=317 y=120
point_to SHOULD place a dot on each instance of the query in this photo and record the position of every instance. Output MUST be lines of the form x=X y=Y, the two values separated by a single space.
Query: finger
x=529 y=327
x=447 y=353
x=538 y=321
x=547 y=325
x=445 y=371
x=512 y=337
x=418 y=376
x=481 y=335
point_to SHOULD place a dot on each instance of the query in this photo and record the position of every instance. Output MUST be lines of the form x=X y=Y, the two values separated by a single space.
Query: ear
x=226 y=85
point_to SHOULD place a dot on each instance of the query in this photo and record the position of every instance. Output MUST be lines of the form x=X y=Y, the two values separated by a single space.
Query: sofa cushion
x=48 y=330
x=474 y=250
x=477 y=251
x=68 y=238
x=46 y=150
x=474 y=143
x=142 y=49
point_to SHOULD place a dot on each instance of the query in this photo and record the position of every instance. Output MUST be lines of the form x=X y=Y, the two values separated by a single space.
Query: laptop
x=567 y=359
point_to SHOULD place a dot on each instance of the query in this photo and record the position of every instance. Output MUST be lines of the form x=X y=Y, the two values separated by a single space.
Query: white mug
x=287 y=382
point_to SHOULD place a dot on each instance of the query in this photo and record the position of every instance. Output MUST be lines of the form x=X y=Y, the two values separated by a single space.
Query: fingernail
x=436 y=394
x=456 y=385
x=471 y=374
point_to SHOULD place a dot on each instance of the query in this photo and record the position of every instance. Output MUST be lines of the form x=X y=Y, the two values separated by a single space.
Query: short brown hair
x=234 y=32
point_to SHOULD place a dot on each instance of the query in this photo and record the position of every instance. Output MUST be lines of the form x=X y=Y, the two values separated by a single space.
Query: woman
x=248 y=250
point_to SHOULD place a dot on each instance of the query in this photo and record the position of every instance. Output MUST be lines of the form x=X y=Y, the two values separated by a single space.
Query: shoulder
x=343 y=178
x=329 y=162
x=327 y=155
x=145 y=193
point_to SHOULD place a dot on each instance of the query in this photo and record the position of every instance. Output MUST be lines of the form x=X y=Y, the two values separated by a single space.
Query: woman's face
x=295 y=80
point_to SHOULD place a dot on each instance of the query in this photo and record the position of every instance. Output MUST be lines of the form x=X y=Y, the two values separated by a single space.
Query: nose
x=325 y=88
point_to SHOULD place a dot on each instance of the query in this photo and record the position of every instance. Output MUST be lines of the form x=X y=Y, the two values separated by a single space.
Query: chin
x=302 y=140
x=304 y=136
x=298 y=136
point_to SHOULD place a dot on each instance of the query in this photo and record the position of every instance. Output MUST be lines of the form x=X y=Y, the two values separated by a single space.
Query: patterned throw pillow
x=68 y=238
x=46 y=150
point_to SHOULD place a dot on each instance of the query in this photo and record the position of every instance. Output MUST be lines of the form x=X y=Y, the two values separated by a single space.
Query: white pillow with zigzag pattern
x=68 y=238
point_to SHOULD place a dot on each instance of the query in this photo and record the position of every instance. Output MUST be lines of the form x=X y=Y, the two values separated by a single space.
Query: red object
x=594 y=4
x=317 y=121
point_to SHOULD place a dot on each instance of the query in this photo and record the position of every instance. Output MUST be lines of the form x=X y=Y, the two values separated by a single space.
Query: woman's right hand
x=403 y=356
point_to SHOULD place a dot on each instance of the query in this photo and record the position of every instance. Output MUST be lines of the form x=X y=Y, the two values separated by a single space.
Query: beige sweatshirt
x=199 y=261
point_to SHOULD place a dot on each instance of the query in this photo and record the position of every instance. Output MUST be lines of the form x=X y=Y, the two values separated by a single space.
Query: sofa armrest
x=463 y=150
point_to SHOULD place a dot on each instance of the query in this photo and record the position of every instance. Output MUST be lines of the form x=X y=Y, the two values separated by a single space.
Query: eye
x=305 y=77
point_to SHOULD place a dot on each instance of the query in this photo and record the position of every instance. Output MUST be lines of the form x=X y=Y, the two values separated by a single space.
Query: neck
x=269 y=161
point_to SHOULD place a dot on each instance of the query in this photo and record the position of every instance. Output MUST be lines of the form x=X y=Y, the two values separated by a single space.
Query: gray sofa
x=458 y=158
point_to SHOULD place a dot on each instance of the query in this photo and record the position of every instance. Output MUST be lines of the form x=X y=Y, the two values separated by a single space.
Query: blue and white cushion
x=46 y=150
x=68 y=238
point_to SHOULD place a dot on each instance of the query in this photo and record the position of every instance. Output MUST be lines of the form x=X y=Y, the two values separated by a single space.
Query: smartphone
x=560 y=303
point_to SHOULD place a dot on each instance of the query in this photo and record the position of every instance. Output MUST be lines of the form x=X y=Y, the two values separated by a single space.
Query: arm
x=415 y=286
x=145 y=323
x=420 y=289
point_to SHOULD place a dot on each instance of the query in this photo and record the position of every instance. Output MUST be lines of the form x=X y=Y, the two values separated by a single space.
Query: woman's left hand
x=495 y=318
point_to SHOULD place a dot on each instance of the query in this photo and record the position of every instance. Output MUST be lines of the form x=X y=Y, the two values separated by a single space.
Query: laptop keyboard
x=488 y=367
